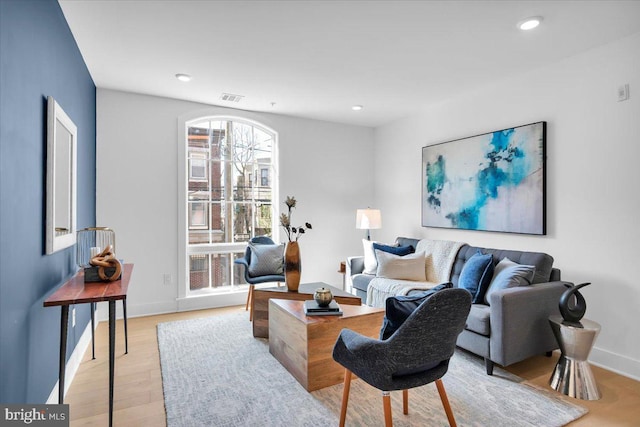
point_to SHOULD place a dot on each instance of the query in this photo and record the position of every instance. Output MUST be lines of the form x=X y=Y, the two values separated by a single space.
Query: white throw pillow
x=408 y=267
x=370 y=261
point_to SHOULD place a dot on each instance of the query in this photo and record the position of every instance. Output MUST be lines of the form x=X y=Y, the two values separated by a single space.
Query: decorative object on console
x=573 y=311
x=107 y=266
x=292 y=263
x=91 y=241
x=490 y=182
x=368 y=219
x=323 y=297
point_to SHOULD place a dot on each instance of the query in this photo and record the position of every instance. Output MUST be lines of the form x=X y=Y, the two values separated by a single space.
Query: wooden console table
x=76 y=291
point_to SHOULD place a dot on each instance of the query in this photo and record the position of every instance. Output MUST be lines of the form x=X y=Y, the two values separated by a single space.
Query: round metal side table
x=572 y=375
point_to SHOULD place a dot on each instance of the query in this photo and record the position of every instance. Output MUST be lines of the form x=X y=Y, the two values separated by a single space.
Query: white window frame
x=188 y=300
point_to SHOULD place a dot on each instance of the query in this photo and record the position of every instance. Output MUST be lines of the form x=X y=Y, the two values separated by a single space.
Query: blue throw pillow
x=396 y=250
x=399 y=308
x=476 y=275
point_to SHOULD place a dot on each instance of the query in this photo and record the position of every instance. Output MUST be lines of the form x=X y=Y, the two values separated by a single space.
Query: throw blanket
x=439 y=259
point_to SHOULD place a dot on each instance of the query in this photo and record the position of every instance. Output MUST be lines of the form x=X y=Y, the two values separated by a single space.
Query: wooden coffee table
x=304 y=344
x=261 y=296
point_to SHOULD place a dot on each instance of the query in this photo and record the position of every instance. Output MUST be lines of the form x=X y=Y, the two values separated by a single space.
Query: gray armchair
x=416 y=354
x=253 y=280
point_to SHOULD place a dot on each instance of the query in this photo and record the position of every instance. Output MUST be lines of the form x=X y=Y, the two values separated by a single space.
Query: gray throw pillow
x=509 y=274
x=266 y=260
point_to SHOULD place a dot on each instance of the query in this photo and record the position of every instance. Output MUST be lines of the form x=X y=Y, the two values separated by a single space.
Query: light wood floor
x=139 y=401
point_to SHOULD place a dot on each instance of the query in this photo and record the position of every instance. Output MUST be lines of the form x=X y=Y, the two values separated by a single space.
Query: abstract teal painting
x=489 y=182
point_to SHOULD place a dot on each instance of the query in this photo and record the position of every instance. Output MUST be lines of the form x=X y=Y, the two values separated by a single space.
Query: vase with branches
x=292 y=262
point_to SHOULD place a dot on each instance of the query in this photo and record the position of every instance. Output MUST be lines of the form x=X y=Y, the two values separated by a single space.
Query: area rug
x=214 y=373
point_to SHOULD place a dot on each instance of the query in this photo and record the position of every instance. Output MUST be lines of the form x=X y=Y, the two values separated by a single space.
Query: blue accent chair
x=254 y=280
x=418 y=353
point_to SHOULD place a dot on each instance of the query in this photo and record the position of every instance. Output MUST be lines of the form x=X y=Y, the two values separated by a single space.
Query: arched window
x=229 y=187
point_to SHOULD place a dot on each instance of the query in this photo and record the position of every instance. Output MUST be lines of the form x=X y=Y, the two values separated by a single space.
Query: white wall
x=593 y=155
x=326 y=166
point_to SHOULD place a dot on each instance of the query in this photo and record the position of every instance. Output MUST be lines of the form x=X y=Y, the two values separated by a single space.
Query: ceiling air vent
x=231 y=97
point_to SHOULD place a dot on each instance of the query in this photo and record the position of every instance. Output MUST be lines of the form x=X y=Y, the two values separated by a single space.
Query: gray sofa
x=515 y=325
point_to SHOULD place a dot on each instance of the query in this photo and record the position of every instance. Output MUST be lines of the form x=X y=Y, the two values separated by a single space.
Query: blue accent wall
x=38 y=58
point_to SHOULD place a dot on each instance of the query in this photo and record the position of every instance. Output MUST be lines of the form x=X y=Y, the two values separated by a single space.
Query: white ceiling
x=316 y=59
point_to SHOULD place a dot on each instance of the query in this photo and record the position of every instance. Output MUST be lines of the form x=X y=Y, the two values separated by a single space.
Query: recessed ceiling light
x=530 y=23
x=183 y=77
x=357 y=107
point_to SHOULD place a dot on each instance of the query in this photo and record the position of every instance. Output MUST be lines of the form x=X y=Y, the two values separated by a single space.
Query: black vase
x=573 y=312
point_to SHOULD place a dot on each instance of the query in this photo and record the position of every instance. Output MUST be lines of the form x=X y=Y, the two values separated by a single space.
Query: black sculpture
x=573 y=312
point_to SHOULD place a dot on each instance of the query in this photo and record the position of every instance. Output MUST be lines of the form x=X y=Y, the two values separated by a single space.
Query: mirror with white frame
x=62 y=137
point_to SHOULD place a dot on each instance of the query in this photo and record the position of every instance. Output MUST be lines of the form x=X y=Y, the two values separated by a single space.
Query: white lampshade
x=368 y=219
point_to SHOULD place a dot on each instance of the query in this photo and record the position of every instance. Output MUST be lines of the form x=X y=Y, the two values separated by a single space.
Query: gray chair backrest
x=429 y=334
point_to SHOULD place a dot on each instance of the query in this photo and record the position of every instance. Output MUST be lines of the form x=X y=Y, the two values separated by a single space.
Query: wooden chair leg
x=445 y=403
x=246 y=306
x=250 y=302
x=386 y=403
x=345 y=396
x=405 y=402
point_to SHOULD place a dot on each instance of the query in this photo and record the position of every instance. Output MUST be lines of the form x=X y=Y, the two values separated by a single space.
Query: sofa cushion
x=399 y=308
x=361 y=281
x=476 y=275
x=479 y=319
x=266 y=259
x=370 y=262
x=409 y=267
x=542 y=262
x=509 y=274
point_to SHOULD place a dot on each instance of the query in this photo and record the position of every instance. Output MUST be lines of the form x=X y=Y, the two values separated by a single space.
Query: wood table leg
x=64 y=320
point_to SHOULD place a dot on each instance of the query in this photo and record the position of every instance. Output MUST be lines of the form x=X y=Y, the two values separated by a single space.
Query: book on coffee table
x=311 y=308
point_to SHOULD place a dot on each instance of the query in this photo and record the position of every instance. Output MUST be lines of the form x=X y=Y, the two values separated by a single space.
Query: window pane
x=214 y=232
x=209 y=271
x=263 y=145
x=217 y=181
x=198 y=272
x=243 y=222
x=263 y=193
x=263 y=219
x=220 y=270
x=242 y=182
x=198 y=215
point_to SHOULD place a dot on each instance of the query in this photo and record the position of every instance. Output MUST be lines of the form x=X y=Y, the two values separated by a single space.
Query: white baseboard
x=614 y=362
x=211 y=301
x=136 y=310
x=72 y=365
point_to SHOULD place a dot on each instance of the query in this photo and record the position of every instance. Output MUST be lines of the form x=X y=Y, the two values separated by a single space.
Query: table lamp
x=368 y=219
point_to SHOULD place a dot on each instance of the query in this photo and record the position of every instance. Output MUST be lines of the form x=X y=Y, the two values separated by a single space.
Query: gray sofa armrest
x=520 y=321
x=354 y=265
